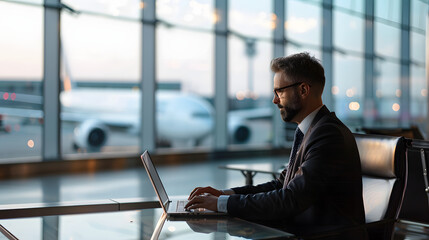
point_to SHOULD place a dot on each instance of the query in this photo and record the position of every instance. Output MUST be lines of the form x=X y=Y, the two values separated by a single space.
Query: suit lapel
x=299 y=156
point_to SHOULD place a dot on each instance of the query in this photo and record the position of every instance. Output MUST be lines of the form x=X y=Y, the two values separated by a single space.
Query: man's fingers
x=198 y=191
x=193 y=201
x=193 y=193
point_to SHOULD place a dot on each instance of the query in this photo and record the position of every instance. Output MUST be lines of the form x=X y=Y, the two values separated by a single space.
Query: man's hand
x=203 y=190
x=203 y=201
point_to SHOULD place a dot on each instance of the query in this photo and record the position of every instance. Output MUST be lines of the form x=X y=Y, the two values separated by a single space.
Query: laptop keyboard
x=181 y=206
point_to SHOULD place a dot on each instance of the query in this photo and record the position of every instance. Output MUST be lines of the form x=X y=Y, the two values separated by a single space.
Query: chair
x=384 y=170
x=412 y=132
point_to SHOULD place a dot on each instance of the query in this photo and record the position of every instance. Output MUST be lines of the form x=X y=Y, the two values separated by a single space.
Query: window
x=387 y=92
x=100 y=99
x=348 y=88
x=21 y=71
x=185 y=112
x=249 y=74
x=303 y=23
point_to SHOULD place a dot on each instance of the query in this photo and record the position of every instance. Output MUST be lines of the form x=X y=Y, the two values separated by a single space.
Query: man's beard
x=290 y=110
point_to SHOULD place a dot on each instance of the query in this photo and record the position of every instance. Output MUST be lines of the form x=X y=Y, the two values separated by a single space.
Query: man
x=322 y=186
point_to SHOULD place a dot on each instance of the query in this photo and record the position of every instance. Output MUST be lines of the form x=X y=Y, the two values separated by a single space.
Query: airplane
x=182 y=119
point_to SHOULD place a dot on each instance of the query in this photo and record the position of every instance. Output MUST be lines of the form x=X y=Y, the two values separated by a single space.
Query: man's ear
x=304 y=89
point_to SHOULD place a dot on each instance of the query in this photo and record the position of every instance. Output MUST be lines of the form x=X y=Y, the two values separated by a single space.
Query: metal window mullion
x=51 y=82
x=327 y=52
x=369 y=93
x=405 y=63
x=148 y=77
x=221 y=75
x=427 y=72
x=279 y=47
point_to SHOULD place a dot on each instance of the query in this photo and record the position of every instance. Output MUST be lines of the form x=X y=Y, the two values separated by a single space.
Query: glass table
x=137 y=224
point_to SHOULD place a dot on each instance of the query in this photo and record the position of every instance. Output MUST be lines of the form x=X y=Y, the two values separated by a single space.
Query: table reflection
x=199 y=227
x=140 y=224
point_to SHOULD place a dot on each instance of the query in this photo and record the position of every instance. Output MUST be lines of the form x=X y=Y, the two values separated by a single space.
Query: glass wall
x=184 y=55
x=100 y=72
x=418 y=82
x=348 y=83
x=21 y=71
x=249 y=76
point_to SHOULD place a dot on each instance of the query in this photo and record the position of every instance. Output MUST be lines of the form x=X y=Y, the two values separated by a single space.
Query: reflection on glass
x=348 y=32
x=128 y=8
x=387 y=40
x=348 y=88
x=303 y=24
x=21 y=70
x=191 y=13
x=24 y=228
x=185 y=80
x=100 y=72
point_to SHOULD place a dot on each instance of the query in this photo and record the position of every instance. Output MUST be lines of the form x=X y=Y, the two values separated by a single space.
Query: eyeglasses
x=277 y=90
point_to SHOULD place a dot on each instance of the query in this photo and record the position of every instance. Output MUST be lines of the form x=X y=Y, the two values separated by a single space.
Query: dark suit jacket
x=323 y=190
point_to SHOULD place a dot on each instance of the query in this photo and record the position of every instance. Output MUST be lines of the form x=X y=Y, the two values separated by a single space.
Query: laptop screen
x=154 y=178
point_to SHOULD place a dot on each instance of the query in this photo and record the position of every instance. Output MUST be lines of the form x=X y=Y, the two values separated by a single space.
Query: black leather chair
x=384 y=170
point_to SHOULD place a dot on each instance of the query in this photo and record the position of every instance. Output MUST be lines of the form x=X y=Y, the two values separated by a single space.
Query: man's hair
x=301 y=67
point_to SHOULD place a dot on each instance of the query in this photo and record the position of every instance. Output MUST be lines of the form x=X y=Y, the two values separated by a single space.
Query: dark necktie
x=296 y=143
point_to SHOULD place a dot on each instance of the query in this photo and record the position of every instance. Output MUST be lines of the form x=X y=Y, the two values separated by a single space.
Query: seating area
x=384 y=169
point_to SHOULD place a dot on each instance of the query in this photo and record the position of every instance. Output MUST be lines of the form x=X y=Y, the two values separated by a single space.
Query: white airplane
x=181 y=119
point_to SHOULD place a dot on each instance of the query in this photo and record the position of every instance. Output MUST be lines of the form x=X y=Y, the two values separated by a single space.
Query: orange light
x=350 y=92
x=67 y=84
x=424 y=92
x=396 y=107
x=240 y=95
x=141 y=5
x=354 y=106
x=30 y=143
x=215 y=17
x=335 y=90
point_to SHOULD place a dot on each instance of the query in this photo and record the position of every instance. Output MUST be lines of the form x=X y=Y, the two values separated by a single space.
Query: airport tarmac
x=21 y=139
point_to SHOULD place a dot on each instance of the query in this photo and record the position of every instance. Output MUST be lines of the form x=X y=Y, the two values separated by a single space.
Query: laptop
x=171 y=208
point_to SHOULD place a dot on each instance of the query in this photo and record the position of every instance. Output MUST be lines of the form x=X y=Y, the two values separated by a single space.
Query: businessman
x=322 y=185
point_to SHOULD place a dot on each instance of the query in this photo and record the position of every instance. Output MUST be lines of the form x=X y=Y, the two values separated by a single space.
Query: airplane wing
x=116 y=120
x=252 y=114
